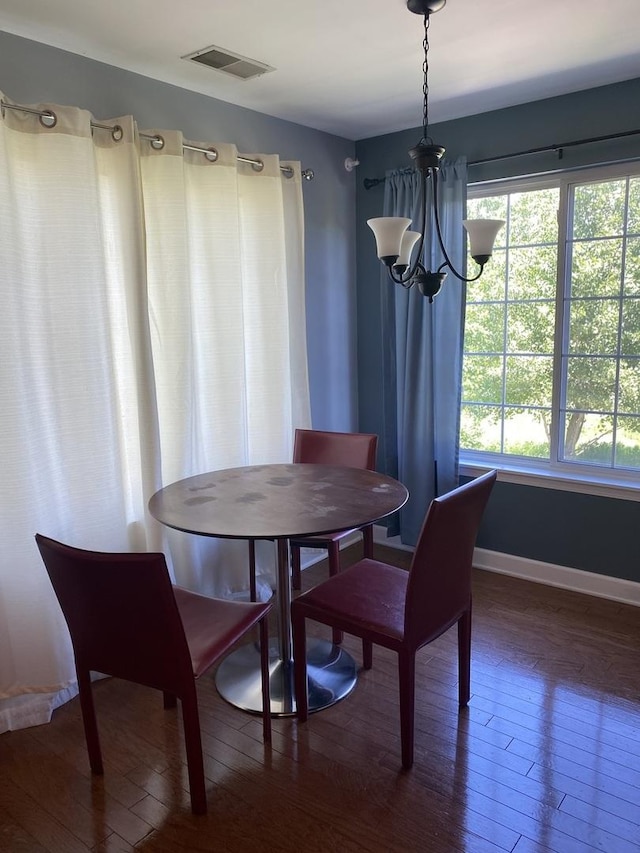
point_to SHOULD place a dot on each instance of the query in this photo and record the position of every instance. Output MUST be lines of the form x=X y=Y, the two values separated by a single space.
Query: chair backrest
x=121 y=613
x=351 y=449
x=439 y=588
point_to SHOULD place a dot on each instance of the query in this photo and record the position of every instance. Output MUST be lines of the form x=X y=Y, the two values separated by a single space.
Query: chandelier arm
x=445 y=265
x=404 y=280
x=448 y=263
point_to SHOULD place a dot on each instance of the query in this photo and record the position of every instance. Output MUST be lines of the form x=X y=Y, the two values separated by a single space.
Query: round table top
x=277 y=501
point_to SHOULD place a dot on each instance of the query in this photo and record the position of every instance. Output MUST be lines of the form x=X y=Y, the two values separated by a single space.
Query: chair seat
x=370 y=596
x=231 y=618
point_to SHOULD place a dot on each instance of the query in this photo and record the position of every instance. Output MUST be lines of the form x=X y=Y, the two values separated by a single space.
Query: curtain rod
x=48 y=118
x=373 y=182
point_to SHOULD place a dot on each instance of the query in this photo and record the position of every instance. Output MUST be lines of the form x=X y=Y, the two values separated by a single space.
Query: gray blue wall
x=586 y=532
x=343 y=316
x=32 y=73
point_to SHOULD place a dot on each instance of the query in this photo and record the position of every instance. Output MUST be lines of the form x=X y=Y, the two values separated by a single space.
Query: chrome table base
x=331 y=675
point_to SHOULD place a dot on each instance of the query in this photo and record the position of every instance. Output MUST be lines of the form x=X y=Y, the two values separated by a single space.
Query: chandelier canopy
x=395 y=243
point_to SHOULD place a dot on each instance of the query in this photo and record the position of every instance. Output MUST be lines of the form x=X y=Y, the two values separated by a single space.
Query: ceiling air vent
x=230 y=63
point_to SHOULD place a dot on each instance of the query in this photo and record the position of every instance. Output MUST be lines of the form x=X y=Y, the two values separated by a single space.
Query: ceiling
x=352 y=67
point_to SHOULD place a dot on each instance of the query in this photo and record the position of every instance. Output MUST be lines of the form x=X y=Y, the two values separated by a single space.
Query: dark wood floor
x=547 y=756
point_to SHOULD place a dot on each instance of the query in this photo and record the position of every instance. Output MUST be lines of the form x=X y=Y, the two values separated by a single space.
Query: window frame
x=554 y=472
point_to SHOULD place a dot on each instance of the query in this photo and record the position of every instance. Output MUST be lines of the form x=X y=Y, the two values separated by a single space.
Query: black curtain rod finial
x=372 y=182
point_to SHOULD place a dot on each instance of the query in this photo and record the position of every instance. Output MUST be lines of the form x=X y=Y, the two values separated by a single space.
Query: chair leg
x=334 y=568
x=253 y=593
x=464 y=658
x=406 y=677
x=367 y=654
x=193 y=748
x=266 y=691
x=300 y=665
x=367 y=542
x=169 y=700
x=296 y=577
x=89 y=721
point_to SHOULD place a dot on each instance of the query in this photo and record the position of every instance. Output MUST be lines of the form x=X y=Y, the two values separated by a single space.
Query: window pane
x=518 y=290
x=591 y=384
x=593 y=326
x=484 y=328
x=493 y=283
x=526 y=433
x=588 y=439
x=491 y=207
x=630 y=342
x=529 y=380
x=632 y=267
x=534 y=217
x=629 y=386
x=532 y=272
x=530 y=327
x=596 y=268
x=482 y=379
x=633 y=225
x=480 y=428
x=599 y=209
x=628 y=443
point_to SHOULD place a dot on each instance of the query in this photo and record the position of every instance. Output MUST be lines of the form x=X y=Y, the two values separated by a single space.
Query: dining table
x=279 y=502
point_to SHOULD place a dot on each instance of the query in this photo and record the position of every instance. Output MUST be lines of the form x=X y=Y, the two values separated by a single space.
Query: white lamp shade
x=409 y=239
x=482 y=234
x=388 y=231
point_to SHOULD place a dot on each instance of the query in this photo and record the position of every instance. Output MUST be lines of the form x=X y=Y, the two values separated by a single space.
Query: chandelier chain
x=425 y=84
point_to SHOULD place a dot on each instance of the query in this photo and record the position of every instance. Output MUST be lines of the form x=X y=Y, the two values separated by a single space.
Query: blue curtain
x=423 y=353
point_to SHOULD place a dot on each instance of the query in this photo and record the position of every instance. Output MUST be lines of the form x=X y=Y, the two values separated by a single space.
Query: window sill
x=618 y=487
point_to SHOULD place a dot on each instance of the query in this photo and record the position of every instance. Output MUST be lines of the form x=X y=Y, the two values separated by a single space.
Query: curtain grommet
x=48 y=119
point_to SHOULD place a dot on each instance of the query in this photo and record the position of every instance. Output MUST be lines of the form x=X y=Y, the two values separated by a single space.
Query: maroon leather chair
x=127 y=620
x=401 y=610
x=352 y=449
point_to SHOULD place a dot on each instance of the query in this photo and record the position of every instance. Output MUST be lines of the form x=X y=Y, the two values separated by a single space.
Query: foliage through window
x=551 y=370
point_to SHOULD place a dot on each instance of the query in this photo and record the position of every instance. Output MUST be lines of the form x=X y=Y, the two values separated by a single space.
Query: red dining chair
x=128 y=621
x=351 y=449
x=400 y=610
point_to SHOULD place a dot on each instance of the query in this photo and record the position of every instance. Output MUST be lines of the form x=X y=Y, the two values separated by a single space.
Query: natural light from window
x=551 y=369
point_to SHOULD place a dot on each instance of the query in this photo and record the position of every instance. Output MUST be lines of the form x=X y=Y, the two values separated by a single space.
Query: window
x=551 y=369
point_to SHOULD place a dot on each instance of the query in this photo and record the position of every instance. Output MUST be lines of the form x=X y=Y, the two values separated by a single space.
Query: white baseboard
x=590 y=583
x=564 y=577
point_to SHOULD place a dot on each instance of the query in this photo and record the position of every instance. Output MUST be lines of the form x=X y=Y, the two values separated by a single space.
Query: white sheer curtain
x=227 y=325
x=152 y=326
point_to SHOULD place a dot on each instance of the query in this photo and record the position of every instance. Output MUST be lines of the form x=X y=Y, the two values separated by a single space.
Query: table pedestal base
x=331 y=674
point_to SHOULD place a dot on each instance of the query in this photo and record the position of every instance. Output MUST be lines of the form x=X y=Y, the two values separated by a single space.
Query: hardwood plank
x=114 y=844
x=626 y=828
x=15 y=838
x=47 y=830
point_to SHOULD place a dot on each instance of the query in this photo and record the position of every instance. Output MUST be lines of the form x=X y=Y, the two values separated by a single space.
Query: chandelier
x=395 y=243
